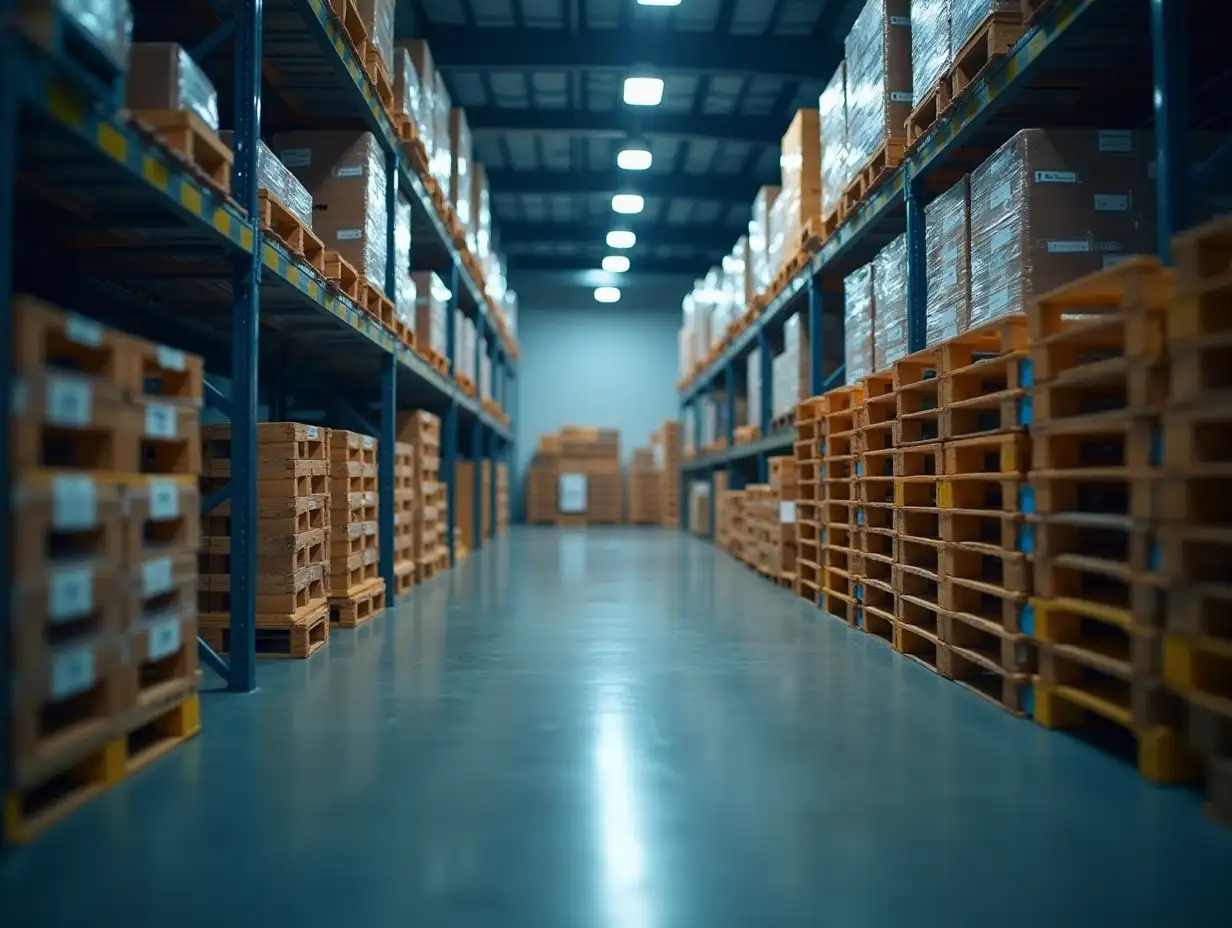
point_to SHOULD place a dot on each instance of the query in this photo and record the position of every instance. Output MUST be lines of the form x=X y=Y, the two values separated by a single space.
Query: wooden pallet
x=342 y=276
x=831 y=221
x=347 y=12
x=359 y=605
x=190 y=141
x=992 y=39
x=883 y=162
x=379 y=76
x=374 y=302
x=467 y=385
x=811 y=236
x=932 y=106
x=285 y=226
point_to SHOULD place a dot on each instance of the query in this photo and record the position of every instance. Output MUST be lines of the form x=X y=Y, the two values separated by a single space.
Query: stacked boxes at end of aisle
x=591 y=488
x=430 y=514
x=356 y=589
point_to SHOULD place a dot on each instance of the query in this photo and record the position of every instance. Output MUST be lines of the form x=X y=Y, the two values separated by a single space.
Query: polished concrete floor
x=620 y=728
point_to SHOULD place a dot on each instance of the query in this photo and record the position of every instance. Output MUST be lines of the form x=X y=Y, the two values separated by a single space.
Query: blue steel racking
x=196 y=272
x=1157 y=31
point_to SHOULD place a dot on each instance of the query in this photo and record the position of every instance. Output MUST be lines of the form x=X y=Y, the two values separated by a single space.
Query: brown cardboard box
x=460 y=170
x=378 y=17
x=761 y=270
x=345 y=173
x=800 y=163
x=947 y=240
x=878 y=77
x=1052 y=205
x=163 y=76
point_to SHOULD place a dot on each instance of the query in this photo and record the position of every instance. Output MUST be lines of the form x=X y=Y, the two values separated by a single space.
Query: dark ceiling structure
x=541 y=82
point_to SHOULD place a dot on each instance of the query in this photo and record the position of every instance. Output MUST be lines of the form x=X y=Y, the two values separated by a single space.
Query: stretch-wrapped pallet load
x=800 y=167
x=890 y=300
x=460 y=179
x=163 y=76
x=930 y=45
x=344 y=171
x=947 y=243
x=776 y=229
x=404 y=283
x=966 y=16
x=108 y=22
x=835 y=154
x=273 y=176
x=716 y=297
x=761 y=268
x=858 y=323
x=754 y=388
x=408 y=94
x=796 y=346
x=479 y=234
x=378 y=18
x=436 y=106
x=736 y=280
x=703 y=313
x=1052 y=205
x=687 y=337
x=879 y=95
x=431 y=304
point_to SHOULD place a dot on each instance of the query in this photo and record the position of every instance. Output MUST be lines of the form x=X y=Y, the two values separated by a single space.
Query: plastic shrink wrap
x=776 y=229
x=796 y=347
x=754 y=383
x=480 y=234
x=967 y=15
x=1052 y=205
x=434 y=102
x=735 y=279
x=800 y=170
x=509 y=304
x=947 y=244
x=163 y=76
x=460 y=179
x=890 y=302
x=408 y=94
x=110 y=22
x=858 y=323
x=716 y=297
x=431 y=302
x=835 y=154
x=378 y=18
x=404 y=296
x=930 y=45
x=761 y=268
x=272 y=175
x=702 y=314
x=878 y=78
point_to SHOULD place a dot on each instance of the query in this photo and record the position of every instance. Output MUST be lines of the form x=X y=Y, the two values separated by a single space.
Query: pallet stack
x=103 y=552
x=422 y=430
x=840 y=557
x=667 y=451
x=876 y=535
x=785 y=489
x=502 y=498
x=1194 y=522
x=645 y=484
x=543 y=482
x=356 y=588
x=808 y=451
x=1100 y=385
x=594 y=455
x=293 y=521
x=405 y=506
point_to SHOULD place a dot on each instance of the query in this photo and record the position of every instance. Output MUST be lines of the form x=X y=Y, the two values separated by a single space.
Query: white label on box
x=69 y=402
x=1069 y=248
x=70 y=593
x=367 y=442
x=1056 y=177
x=787 y=512
x=312 y=432
x=83 y=331
x=164 y=500
x=898 y=96
x=1111 y=202
x=369 y=556
x=350 y=170
x=350 y=235
x=74 y=503
x=164 y=639
x=998 y=301
x=572 y=489
x=155 y=577
x=295 y=157
x=312 y=503
x=72 y=673
x=160 y=421
x=1116 y=140
x=1001 y=238
x=1000 y=194
x=170 y=359
x=900 y=20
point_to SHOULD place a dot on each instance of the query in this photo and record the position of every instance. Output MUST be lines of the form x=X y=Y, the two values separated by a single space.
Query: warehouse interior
x=615 y=462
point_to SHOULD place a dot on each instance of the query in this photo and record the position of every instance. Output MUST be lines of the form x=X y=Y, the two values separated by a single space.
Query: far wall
x=587 y=363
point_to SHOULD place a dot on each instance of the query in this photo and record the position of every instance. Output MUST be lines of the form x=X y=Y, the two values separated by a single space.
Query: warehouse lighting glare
x=607 y=294
x=628 y=203
x=643 y=91
x=615 y=264
x=621 y=238
x=633 y=159
x=658 y=2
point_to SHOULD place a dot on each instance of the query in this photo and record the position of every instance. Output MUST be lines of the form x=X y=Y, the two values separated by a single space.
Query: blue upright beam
x=493 y=456
x=245 y=331
x=729 y=403
x=1170 y=49
x=816 y=335
x=766 y=413
x=385 y=472
x=449 y=465
x=477 y=433
x=9 y=105
x=917 y=269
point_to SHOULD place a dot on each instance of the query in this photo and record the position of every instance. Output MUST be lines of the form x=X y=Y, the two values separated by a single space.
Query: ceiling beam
x=760 y=130
x=724 y=189
x=668 y=50
x=643 y=265
x=705 y=237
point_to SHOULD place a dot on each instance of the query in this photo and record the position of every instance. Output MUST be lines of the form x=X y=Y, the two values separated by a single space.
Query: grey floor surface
x=620 y=727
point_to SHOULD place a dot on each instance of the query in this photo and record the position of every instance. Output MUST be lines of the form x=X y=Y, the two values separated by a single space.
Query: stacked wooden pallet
x=356 y=588
x=668 y=456
x=422 y=430
x=875 y=418
x=405 y=571
x=103 y=546
x=810 y=439
x=782 y=549
x=502 y=497
x=840 y=556
x=292 y=613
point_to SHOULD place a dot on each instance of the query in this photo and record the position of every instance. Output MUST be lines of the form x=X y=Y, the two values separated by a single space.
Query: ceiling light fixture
x=615 y=264
x=628 y=203
x=621 y=238
x=658 y=2
x=643 y=91
x=636 y=157
x=607 y=294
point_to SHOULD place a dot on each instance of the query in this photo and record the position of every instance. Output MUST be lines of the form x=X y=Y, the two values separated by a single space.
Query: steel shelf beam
x=775 y=443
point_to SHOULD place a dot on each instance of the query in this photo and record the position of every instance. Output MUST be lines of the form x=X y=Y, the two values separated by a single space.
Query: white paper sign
x=71 y=593
x=164 y=638
x=156 y=577
x=572 y=493
x=74 y=503
x=160 y=421
x=164 y=500
x=72 y=673
x=787 y=512
x=69 y=402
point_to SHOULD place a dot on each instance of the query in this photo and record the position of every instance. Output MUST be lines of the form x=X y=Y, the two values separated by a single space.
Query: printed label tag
x=1056 y=177
x=164 y=500
x=1111 y=202
x=312 y=432
x=69 y=402
x=71 y=593
x=83 y=331
x=350 y=235
x=295 y=157
x=367 y=442
x=898 y=96
x=170 y=358
x=900 y=20
x=156 y=577
x=164 y=639
x=72 y=673
x=1000 y=194
x=1116 y=140
x=787 y=512
x=160 y=421
x=74 y=503
x=1068 y=248
x=350 y=170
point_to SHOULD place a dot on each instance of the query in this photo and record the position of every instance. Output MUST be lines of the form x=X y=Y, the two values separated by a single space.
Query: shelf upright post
x=389 y=393
x=449 y=455
x=478 y=428
x=729 y=388
x=245 y=333
x=815 y=336
x=1170 y=53
x=765 y=414
x=9 y=104
x=917 y=268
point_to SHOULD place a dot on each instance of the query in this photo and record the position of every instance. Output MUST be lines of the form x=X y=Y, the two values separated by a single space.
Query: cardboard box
x=890 y=304
x=947 y=242
x=858 y=323
x=460 y=179
x=378 y=17
x=878 y=78
x=832 y=123
x=436 y=106
x=163 y=76
x=761 y=268
x=800 y=164
x=930 y=45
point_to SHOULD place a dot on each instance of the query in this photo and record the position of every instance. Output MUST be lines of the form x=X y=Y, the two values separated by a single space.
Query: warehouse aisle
x=619 y=728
